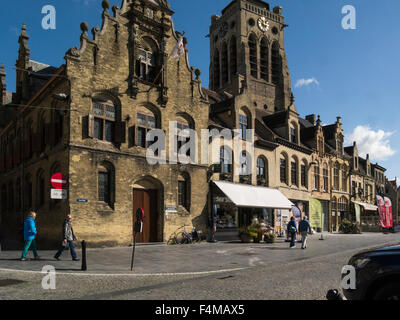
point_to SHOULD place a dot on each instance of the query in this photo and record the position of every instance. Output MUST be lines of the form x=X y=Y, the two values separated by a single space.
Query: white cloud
x=306 y=82
x=374 y=143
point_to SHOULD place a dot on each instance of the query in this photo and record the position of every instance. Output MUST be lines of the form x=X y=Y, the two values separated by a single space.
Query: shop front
x=319 y=215
x=236 y=205
x=366 y=215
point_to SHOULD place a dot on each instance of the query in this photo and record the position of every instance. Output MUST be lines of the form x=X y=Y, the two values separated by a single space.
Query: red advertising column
x=388 y=213
x=382 y=211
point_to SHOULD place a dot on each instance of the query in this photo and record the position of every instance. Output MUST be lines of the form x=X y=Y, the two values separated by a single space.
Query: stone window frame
x=262 y=171
x=304 y=174
x=283 y=169
x=316 y=175
x=184 y=190
x=106 y=167
x=104 y=119
x=325 y=175
x=264 y=59
x=253 y=55
x=294 y=171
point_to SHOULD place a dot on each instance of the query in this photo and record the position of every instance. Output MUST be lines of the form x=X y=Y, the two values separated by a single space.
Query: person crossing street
x=68 y=238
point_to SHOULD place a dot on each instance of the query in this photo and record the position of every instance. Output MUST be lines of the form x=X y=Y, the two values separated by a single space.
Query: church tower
x=247 y=52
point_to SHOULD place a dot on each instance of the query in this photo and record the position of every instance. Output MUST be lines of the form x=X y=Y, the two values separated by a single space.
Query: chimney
x=311 y=118
x=3 y=86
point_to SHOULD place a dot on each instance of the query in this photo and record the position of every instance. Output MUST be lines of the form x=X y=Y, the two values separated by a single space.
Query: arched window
x=276 y=64
x=264 y=57
x=10 y=196
x=226 y=160
x=325 y=174
x=58 y=121
x=40 y=185
x=253 y=56
x=304 y=173
x=18 y=194
x=224 y=62
x=233 y=56
x=146 y=121
x=42 y=131
x=106 y=183
x=28 y=191
x=294 y=171
x=336 y=180
x=217 y=70
x=244 y=122
x=316 y=176
x=4 y=198
x=147 y=68
x=344 y=178
x=342 y=205
x=262 y=172
x=104 y=120
x=245 y=164
x=293 y=133
x=184 y=191
x=283 y=169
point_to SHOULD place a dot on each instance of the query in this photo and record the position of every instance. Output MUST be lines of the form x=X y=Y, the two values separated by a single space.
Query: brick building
x=89 y=118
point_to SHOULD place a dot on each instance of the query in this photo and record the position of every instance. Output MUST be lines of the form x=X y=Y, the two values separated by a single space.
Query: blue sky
x=350 y=73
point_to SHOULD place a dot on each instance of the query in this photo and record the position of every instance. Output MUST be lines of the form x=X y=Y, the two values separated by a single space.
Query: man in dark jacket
x=304 y=228
x=68 y=238
x=292 y=230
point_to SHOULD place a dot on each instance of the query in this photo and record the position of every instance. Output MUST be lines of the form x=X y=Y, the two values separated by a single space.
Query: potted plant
x=244 y=235
x=269 y=237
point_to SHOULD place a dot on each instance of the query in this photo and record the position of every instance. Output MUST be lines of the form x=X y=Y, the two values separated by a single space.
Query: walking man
x=304 y=228
x=29 y=236
x=68 y=238
x=292 y=230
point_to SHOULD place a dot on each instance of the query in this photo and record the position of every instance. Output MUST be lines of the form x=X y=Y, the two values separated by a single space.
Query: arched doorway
x=147 y=194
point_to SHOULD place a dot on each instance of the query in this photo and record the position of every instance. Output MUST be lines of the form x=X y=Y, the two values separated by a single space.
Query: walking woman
x=292 y=230
x=29 y=236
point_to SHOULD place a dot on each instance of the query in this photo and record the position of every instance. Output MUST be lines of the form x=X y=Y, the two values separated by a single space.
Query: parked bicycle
x=183 y=237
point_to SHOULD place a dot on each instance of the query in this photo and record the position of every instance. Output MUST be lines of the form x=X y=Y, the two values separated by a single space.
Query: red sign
x=58 y=181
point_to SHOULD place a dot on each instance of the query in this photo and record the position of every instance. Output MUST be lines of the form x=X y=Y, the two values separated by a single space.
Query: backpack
x=292 y=229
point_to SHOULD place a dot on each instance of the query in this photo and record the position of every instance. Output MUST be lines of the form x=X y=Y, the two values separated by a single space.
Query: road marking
x=129 y=274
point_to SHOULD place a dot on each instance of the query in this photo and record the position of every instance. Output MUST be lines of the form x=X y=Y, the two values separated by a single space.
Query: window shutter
x=120 y=132
x=88 y=126
x=132 y=136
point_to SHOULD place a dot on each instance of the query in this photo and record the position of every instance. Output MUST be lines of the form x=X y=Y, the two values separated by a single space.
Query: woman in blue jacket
x=29 y=236
x=292 y=230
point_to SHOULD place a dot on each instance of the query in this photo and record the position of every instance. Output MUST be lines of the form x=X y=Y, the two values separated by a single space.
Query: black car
x=377 y=275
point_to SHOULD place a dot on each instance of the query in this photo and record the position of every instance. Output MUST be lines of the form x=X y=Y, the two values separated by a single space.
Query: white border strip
x=129 y=274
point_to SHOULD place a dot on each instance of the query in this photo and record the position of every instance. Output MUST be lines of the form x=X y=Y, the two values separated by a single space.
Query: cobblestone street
x=220 y=271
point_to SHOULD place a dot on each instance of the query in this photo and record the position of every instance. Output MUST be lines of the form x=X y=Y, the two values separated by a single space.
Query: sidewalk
x=197 y=258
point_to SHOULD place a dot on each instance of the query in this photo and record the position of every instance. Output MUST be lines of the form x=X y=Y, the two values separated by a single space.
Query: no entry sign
x=58 y=181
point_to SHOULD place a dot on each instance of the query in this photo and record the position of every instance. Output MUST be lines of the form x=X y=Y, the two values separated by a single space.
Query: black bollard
x=84 y=266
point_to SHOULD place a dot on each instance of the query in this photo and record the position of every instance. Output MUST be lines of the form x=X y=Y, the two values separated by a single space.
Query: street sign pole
x=133 y=252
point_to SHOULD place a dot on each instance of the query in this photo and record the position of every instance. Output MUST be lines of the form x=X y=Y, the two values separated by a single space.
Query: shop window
x=264 y=55
x=253 y=56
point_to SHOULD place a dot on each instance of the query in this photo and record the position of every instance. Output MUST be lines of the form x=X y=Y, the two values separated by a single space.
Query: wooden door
x=146 y=199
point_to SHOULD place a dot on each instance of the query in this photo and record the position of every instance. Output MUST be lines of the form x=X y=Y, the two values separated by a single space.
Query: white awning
x=367 y=206
x=254 y=197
